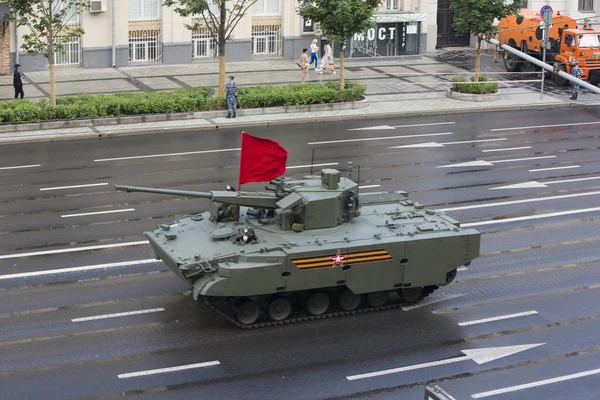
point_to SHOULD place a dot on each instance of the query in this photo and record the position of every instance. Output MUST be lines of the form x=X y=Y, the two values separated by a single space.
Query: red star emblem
x=338 y=259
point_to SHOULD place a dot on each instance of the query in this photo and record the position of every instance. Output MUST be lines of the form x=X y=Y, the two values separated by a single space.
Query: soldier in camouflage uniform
x=231 y=96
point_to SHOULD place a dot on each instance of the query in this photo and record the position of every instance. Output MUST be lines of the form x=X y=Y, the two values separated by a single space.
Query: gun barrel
x=183 y=193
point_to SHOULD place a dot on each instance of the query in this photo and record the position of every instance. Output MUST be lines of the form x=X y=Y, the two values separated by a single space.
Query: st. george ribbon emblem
x=338 y=259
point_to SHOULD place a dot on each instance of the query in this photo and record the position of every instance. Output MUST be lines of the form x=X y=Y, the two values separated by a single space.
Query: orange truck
x=567 y=42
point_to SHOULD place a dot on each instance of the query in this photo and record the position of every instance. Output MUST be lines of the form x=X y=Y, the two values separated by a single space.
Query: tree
x=220 y=17
x=50 y=25
x=340 y=20
x=477 y=17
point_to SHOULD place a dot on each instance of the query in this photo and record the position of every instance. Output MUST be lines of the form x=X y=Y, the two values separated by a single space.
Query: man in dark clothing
x=18 y=81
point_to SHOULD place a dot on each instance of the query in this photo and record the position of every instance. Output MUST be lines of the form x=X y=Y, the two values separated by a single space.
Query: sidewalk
x=406 y=86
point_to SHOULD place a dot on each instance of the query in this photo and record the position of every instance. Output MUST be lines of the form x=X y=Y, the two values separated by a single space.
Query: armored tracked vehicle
x=307 y=249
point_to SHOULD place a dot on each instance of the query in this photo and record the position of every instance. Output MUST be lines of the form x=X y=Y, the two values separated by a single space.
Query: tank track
x=302 y=316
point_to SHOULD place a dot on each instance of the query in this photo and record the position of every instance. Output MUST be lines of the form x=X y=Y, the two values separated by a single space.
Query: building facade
x=133 y=32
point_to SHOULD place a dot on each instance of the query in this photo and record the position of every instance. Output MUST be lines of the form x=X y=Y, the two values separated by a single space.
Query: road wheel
x=450 y=276
x=279 y=309
x=560 y=81
x=512 y=63
x=410 y=295
x=317 y=303
x=377 y=299
x=247 y=312
x=349 y=301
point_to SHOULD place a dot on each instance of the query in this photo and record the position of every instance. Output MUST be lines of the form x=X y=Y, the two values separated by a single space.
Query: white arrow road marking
x=480 y=356
x=170 y=369
x=498 y=318
x=536 y=383
x=536 y=184
x=388 y=127
x=528 y=217
x=434 y=144
x=544 y=126
x=123 y=314
x=480 y=163
x=524 y=185
x=21 y=166
x=381 y=138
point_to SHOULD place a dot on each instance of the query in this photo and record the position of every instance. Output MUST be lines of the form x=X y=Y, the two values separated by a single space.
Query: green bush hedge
x=88 y=106
x=491 y=86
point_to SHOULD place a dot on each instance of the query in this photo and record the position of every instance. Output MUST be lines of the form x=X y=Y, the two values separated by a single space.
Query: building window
x=266 y=41
x=392 y=5
x=204 y=47
x=586 y=5
x=266 y=7
x=144 y=10
x=72 y=14
x=145 y=46
x=72 y=54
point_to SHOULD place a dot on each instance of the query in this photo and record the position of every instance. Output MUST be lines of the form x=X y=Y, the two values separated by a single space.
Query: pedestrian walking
x=18 y=81
x=576 y=72
x=231 y=90
x=314 y=54
x=327 y=60
x=304 y=64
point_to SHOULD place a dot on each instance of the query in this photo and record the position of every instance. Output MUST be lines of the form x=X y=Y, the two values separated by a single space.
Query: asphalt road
x=69 y=252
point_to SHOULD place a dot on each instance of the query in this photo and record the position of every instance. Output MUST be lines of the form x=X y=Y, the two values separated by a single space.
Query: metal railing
x=204 y=47
x=72 y=52
x=267 y=41
x=145 y=46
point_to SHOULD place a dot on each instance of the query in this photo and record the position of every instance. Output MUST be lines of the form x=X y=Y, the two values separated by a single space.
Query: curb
x=134 y=119
x=363 y=103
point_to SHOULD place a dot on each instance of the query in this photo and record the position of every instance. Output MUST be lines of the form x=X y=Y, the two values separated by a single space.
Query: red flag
x=261 y=159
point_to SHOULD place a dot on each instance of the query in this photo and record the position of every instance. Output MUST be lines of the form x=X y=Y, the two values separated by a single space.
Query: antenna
x=312 y=161
x=350 y=170
x=358 y=182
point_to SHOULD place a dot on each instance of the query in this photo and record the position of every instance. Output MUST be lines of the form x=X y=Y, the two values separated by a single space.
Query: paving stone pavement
x=408 y=74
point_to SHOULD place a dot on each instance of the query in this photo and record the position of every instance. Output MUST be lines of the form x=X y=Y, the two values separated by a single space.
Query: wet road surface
x=85 y=312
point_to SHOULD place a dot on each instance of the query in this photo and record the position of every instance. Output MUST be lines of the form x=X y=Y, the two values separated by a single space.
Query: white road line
x=73 y=187
x=536 y=384
x=544 y=126
x=72 y=250
x=97 y=213
x=123 y=314
x=369 y=186
x=170 y=369
x=530 y=217
x=554 y=168
x=499 y=318
x=474 y=141
x=573 y=180
x=78 y=269
x=167 y=155
x=507 y=149
x=314 y=165
x=21 y=166
x=521 y=159
x=507 y=203
x=381 y=138
x=381 y=127
x=408 y=368
x=432 y=300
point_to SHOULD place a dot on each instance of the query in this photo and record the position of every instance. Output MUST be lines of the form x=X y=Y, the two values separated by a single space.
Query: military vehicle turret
x=307 y=249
